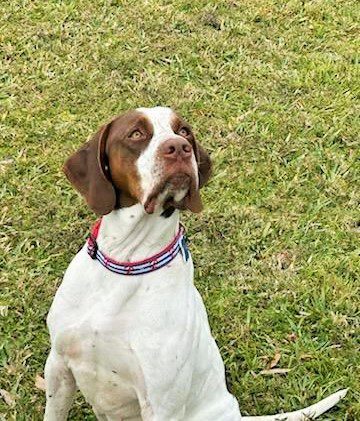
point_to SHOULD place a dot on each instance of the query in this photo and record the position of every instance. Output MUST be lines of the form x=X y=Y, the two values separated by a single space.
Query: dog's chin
x=171 y=192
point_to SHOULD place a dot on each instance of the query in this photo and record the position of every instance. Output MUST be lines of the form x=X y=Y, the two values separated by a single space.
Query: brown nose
x=174 y=148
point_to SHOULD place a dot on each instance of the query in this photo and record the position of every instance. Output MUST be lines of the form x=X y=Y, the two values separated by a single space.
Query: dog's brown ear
x=204 y=165
x=193 y=199
x=86 y=169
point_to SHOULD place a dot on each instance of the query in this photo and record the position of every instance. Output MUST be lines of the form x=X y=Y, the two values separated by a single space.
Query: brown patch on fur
x=106 y=165
x=67 y=343
x=85 y=170
x=123 y=153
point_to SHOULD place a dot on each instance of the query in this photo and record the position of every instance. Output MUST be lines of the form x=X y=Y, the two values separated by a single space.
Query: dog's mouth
x=178 y=191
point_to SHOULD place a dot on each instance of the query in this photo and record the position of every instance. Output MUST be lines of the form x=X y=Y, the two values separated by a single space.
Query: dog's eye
x=135 y=135
x=184 y=132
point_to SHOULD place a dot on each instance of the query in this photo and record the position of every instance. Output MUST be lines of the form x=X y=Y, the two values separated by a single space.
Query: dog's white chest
x=124 y=339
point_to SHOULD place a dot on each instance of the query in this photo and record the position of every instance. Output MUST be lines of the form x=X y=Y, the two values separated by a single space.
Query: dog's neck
x=130 y=234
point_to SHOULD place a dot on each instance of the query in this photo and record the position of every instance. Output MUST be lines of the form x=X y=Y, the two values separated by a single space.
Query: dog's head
x=148 y=156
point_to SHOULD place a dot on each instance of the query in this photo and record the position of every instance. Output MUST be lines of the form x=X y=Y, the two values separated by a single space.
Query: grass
x=272 y=89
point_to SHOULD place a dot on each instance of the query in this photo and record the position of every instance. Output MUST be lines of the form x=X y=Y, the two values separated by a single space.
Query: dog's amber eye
x=135 y=135
x=184 y=132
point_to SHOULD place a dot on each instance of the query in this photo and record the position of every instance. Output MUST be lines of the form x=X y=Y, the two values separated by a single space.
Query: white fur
x=138 y=347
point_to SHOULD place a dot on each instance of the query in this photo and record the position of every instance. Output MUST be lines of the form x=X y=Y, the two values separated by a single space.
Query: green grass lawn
x=272 y=89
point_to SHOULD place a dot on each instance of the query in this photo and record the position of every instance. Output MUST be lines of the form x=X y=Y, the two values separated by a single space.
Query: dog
x=127 y=325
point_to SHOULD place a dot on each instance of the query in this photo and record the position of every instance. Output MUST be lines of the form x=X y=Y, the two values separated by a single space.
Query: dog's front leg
x=60 y=388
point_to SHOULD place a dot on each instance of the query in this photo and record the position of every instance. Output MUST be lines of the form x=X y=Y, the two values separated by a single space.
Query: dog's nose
x=174 y=148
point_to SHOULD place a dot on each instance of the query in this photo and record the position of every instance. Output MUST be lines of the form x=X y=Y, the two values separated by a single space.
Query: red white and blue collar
x=159 y=260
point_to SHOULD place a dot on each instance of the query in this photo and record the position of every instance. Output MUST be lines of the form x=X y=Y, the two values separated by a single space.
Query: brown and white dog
x=139 y=347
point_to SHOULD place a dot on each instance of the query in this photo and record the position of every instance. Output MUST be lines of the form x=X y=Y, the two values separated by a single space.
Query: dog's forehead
x=161 y=118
